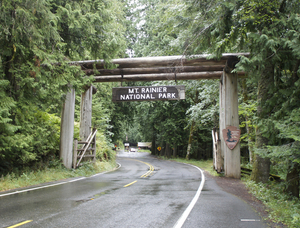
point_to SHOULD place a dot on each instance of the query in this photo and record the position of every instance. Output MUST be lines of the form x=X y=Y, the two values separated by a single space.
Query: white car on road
x=132 y=149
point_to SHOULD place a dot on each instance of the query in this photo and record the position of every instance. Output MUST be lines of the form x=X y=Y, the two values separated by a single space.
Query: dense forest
x=39 y=38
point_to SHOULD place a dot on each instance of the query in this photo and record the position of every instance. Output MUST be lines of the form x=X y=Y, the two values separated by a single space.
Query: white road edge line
x=188 y=210
x=51 y=185
x=46 y=186
x=250 y=220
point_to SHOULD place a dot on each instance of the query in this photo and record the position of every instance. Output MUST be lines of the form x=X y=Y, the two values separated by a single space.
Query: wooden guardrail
x=88 y=145
x=272 y=177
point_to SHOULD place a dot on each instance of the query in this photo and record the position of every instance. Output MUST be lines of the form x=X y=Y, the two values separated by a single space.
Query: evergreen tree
x=269 y=30
x=38 y=39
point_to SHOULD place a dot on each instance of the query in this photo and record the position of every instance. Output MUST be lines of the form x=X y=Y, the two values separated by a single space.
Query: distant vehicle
x=132 y=149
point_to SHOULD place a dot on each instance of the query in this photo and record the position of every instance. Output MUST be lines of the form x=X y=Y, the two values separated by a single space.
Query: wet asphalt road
x=143 y=192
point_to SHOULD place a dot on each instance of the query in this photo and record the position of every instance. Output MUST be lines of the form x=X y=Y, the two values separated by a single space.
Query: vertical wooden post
x=220 y=160
x=75 y=153
x=67 y=129
x=86 y=114
x=222 y=124
x=94 y=149
x=214 y=149
x=229 y=117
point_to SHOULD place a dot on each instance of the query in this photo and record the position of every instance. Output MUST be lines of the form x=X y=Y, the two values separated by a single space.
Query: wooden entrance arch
x=159 y=69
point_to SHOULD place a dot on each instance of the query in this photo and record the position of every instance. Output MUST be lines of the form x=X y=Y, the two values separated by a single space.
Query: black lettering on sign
x=148 y=93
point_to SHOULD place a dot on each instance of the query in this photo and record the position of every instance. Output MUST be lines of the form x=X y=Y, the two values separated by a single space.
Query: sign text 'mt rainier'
x=148 y=93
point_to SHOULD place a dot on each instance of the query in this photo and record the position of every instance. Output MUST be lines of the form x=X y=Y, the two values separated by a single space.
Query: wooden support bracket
x=86 y=147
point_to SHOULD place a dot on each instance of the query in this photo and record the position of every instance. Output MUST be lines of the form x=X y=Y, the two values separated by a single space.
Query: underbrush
x=281 y=206
x=12 y=181
x=53 y=170
x=104 y=150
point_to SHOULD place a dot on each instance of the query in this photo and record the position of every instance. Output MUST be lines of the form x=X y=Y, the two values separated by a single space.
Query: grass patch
x=206 y=165
x=12 y=181
x=54 y=171
x=144 y=150
x=281 y=207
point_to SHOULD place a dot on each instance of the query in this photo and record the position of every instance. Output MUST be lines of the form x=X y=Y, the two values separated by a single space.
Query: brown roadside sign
x=148 y=93
x=231 y=136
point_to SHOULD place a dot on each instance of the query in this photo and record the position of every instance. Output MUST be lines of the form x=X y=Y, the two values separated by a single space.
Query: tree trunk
x=175 y=152
x=168 y=151
x=260 y=169
x=292 y=180
x=250 y=140
x=190 y=141
x=261 y=165
x=153 y=145
x=162 y=152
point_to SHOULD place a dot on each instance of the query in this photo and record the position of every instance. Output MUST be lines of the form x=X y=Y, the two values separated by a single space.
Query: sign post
x=148 y=93
x=229 y=123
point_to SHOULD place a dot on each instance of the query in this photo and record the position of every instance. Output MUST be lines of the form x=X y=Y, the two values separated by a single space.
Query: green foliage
x=103 y=109
x=247 y=112
x=90 y=29
x=164 y=121
x=104 y=150
x=161 y=29
x=38 y=39
x=153 y=35
x=268 y=29
x=36 y=140
x=167 y=124
x=205 y=111
x=280 y=206
x=54 y=172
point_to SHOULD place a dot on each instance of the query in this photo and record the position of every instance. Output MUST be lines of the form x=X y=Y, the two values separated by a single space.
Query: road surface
x=143 y=192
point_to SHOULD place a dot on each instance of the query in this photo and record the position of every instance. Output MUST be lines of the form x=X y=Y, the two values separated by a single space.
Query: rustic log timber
x=229 y=116
x=152 y=70
x=90 y=139
x=67 y=129
x=87 y=156
x=162 y=61
x=75 y=153
x=94 y=89
x=163 y=77
x=86 y=113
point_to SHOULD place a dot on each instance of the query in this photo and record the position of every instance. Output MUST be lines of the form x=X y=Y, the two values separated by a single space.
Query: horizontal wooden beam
x=86 y=156
x=153 y=70
x=163 y=61
x=163 y=76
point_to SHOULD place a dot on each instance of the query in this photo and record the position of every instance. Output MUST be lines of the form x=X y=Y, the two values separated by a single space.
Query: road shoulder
x=237 y=187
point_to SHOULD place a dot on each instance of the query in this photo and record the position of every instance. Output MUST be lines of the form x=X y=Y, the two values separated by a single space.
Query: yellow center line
x=151 y=169
x=20 y=224
x=130 y=184
x=148 y=173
